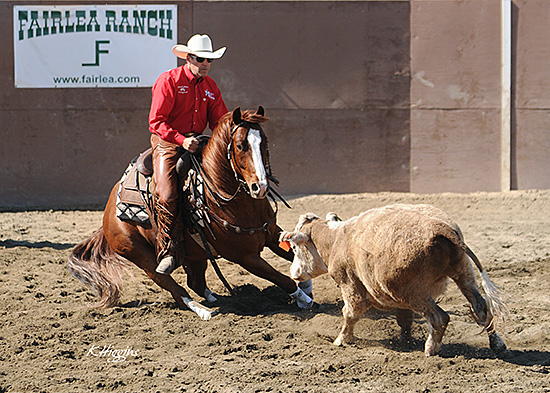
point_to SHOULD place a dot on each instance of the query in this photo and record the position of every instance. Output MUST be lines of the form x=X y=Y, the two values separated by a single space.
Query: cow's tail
x=493 y=295
x=97 y=265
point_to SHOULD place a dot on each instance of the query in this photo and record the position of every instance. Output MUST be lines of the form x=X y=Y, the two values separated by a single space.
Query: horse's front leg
x=273 y=245
x=259 y=267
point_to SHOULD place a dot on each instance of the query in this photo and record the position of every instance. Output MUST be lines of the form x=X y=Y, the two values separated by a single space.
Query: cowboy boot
x=165 y=249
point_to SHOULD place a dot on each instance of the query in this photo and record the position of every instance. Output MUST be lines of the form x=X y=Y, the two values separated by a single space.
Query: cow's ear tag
x=285 y=245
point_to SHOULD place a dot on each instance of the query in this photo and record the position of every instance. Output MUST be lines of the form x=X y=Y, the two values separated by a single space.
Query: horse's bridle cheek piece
x=231 y=158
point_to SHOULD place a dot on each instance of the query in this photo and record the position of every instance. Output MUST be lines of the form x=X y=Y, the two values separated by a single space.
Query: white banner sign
x=93 y=45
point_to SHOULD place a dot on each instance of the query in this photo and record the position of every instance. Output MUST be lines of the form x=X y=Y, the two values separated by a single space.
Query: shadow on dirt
x=249 y=300
x=452 y=350
x=44 y=244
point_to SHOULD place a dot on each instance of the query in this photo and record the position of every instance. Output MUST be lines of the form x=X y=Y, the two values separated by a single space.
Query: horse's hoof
x=206 y=314
x=317 y=307
x=210 y=296
x=497 y=345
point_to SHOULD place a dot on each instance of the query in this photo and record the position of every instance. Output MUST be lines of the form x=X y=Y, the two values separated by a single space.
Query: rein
x=217 y=196
x=251 y=231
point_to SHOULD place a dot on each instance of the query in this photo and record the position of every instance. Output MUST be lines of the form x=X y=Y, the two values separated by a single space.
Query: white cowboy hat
x=198 y=45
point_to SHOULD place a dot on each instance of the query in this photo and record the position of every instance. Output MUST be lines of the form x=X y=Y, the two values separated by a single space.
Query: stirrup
x=167 y=265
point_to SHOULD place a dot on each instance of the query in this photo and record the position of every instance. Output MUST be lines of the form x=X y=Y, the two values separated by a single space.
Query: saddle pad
x=130 y=203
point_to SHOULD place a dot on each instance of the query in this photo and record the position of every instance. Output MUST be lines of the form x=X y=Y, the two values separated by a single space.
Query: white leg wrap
x=303 y=300
x=307 y=287
x=203 y=312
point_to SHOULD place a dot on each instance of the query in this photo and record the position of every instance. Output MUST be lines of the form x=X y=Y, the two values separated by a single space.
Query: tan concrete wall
x=531 y=120
x=333 y=77
x=363 y=96
x=455 y=96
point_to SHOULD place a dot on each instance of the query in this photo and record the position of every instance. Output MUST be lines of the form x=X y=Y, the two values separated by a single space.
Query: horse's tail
x=97 y=265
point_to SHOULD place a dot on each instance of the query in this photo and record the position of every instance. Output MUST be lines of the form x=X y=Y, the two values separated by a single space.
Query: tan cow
x=395 y=257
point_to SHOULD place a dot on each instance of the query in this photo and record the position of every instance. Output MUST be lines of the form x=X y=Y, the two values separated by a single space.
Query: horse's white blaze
x=255 y=140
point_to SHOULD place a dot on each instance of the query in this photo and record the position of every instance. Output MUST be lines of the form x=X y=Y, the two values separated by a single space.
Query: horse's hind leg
x=145 y=258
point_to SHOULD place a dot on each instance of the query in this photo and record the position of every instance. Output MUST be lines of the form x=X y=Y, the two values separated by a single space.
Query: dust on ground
x=52 y=341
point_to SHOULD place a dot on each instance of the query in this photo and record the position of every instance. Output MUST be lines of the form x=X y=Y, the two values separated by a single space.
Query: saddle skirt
x=135 y=201
x=134 y=195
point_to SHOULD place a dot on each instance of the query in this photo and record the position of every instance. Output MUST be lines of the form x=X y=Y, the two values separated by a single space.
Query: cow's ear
x=305 y=219
x=333 y=217
x=297 y=238
x=284 y=236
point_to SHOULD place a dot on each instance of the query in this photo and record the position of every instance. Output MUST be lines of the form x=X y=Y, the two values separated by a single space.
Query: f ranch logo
x=156 y=23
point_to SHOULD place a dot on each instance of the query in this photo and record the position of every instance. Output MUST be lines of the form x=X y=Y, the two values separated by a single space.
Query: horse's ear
x=260 y=111
x=237 y=115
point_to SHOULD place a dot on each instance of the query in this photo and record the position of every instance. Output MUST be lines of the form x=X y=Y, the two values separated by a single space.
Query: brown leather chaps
x=166 y=196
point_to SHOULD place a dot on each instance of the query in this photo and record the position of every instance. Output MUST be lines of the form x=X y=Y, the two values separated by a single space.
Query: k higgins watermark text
x=112 y=354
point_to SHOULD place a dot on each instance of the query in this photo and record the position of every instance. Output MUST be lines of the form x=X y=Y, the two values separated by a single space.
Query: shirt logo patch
x=209 y=95
x=183 y=89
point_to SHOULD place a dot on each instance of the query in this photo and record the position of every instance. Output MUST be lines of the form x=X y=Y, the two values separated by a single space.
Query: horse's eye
x=242 y=146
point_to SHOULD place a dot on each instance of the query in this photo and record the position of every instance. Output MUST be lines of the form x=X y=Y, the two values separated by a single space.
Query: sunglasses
x=200 y=59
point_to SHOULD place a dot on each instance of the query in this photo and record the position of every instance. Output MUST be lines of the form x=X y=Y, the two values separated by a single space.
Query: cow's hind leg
x=480 y=312
x=355 y=304
x=438 y=321
x=404 y=320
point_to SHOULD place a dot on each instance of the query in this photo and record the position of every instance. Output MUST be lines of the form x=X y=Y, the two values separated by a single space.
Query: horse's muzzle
x=258 y=190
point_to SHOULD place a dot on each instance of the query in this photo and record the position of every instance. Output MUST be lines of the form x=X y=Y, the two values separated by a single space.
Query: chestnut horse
x=242 y=223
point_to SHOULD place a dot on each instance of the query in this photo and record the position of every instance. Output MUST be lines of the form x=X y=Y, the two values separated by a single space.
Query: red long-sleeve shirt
x=182 y=103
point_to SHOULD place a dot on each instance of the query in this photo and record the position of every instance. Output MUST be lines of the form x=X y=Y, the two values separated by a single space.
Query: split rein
x=217 y=196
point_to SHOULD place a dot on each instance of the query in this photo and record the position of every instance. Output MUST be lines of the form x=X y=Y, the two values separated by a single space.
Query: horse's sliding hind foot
x=203 y=312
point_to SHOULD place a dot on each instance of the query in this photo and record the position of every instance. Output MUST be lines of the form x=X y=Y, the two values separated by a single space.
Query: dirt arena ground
x=52 y=341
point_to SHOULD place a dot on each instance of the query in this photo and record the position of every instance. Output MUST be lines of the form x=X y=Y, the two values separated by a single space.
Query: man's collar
x=190 y=76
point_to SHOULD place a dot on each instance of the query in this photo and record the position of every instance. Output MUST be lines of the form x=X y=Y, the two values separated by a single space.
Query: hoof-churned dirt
x=52 y=341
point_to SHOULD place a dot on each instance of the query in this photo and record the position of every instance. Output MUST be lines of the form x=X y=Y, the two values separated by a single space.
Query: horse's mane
x=215 y=153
